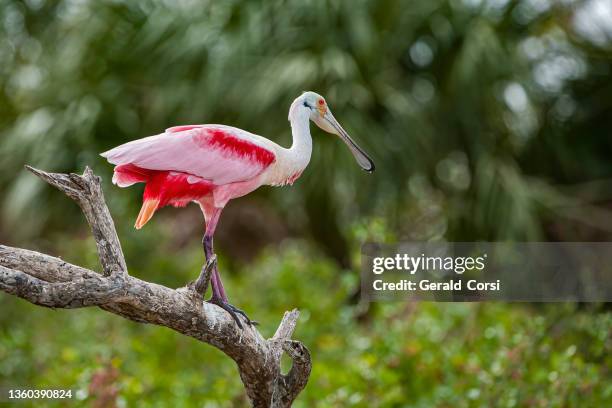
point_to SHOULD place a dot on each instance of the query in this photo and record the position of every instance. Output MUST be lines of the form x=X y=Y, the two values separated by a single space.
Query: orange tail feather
x=146 y=212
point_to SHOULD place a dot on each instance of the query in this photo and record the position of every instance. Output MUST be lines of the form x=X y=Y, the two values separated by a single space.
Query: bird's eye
x=321 y=102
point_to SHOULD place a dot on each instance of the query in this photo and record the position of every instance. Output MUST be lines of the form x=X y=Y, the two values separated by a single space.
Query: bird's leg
x=219 y=297
x=207 y=243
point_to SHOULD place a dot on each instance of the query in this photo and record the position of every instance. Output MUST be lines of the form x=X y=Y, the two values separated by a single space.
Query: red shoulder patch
x=235 y=146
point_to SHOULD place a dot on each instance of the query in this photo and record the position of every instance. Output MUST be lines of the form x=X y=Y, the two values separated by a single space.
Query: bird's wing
x=221 y=154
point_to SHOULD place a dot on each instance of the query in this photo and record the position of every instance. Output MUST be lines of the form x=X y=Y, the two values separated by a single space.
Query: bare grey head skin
x=315 y=106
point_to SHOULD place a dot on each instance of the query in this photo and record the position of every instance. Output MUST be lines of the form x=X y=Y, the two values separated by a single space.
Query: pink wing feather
x=220 y=154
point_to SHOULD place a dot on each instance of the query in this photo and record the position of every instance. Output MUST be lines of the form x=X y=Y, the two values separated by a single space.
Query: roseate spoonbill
x=212 y=164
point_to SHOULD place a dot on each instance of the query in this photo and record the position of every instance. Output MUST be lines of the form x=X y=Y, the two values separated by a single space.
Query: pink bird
x=213 y=164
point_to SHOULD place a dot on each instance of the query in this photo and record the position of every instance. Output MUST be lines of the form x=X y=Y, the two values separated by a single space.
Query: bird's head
x=315 y=107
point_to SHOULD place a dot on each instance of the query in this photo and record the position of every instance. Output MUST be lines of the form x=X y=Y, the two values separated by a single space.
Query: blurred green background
x=487 y=120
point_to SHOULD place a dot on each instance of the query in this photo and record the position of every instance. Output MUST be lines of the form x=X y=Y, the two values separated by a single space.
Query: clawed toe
x=242 y=313
x=233 y=311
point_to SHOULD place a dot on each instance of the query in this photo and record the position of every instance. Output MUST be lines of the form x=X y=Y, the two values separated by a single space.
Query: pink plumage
x=187 y=163
x=220 y=154
x=213 y=164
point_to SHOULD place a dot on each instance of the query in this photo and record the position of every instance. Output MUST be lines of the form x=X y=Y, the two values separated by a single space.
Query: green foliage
x=487 y=103
x=488 y=120
x=418 y=354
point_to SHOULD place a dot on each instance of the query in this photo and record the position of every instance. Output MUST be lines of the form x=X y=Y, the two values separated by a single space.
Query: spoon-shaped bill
x=362 y=158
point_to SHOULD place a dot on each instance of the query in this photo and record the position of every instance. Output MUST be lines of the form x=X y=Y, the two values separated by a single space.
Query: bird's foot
x=233 y=311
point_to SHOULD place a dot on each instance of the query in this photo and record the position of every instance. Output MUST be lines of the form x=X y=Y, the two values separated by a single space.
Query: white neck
x=300 y=130
x=298 y=155
x=291 y=162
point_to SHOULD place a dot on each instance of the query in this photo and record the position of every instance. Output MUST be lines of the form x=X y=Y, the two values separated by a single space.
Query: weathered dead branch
x=49 y=281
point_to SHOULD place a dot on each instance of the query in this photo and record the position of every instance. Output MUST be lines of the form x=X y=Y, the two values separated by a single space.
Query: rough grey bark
x=49 y=281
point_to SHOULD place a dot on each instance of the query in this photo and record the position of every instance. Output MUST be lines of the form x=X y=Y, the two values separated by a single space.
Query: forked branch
x=49 y=281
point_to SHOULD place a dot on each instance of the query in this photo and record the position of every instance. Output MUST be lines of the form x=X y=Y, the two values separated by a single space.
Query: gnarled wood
x=49 y=281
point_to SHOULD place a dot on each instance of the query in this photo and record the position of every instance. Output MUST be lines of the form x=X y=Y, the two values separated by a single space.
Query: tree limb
x=87 y=193
x=49 y=281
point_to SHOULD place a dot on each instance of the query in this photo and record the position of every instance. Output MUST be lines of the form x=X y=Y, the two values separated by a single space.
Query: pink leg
x=218 y=296
x=207 y=241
